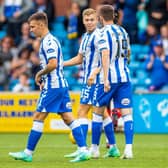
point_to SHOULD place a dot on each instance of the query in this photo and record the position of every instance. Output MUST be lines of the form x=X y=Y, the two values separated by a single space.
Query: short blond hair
x=88 y=11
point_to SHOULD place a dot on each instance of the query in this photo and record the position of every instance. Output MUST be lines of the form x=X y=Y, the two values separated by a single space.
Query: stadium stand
x=139 y=51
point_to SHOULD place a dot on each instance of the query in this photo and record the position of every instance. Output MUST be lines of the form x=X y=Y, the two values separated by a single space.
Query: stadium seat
x=138 y=48
x=135 y=48
x=59 y=19
x=134 y=65
x=2 y=34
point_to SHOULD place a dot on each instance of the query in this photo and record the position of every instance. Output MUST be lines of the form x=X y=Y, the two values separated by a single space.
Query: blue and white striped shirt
x=51 y=48
x=116 y=40
x=89 y=50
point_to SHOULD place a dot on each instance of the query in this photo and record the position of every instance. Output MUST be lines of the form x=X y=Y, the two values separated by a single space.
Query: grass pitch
x=150 y=151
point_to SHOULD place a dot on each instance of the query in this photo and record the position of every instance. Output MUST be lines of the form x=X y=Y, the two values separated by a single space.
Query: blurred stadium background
x=147 y=24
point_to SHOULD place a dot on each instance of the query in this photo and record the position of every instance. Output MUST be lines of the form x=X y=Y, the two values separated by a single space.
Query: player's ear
x=100 y=17
x=41 y=24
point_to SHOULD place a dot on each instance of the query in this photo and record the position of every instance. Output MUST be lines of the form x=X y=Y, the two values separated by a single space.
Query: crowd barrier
x=16 y=111
x=150 y=112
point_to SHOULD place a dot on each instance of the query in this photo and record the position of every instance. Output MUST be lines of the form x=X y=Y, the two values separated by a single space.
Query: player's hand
x=41 y=86
x=38 y=79
x=106 y=86
x=16 y=14
x=90 y=80
x=152 y=58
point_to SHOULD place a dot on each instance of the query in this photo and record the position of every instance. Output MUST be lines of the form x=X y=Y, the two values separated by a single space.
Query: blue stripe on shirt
x=83 y=41
x=86 y=42
x=125 y=53
x=91 y=56
x=48 y=75
x=111 y=50
x=116 y=60
x=58 y=66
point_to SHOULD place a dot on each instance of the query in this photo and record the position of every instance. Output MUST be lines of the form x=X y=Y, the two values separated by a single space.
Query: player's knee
x=83 y=111
x=82 y=114
x=99 y=110
x=39 y=116
x=105 y=115
x=67 y=118
x=126 y=111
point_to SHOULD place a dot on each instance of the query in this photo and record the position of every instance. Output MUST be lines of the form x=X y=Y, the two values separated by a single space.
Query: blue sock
x=109 y=130
x=35 y=135
x=128 y=129
x=84 y=125
x=85 y=131
x=77 y=133
x=97 y=123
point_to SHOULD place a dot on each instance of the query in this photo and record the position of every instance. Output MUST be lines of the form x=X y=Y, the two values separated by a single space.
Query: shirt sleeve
x=128 y=42
x=51 y=49
x=103 y=41
x=80 y=48
x=81 y=45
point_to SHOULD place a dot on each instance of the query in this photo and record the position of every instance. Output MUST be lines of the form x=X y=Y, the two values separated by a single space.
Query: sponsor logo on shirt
x=101 y=41
x=50 y=50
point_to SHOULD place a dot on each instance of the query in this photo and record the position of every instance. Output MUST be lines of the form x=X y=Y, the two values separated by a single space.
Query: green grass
x=150 y=151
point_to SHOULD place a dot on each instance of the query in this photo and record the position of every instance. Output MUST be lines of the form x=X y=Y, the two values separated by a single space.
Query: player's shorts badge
x=125 y=101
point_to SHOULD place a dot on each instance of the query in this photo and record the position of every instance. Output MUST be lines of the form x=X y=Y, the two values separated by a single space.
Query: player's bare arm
x=150 y=64
x=74 y=61
x=165 y=65
x=105 y=65
x=129 y=56
x=93 y=75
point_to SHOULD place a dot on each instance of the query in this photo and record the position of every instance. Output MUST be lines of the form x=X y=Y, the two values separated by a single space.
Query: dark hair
x=106 y=2
x=1 y=62
x=116 y=16
x=10 y=40
x=39 y=16
x=107 y=12
x=24 y=50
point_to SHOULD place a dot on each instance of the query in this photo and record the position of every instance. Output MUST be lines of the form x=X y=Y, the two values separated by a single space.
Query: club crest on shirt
x=125 y=101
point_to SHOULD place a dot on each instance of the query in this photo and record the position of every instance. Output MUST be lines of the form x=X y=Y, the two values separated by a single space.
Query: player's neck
x=108 y=22
x=45 y=32
x=90 y=32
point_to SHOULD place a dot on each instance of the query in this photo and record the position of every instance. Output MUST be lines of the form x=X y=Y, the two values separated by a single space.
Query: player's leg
x=85 y=105
x=83 y=120
x=99 y=104
x=108 y=128
x=83 y=153
x=109 y=132
x=97 y=123
x=82 y=115
x=123 y=100
x=101 y=100
x=128 y=131
x=49 y=101
x=114 y=114
x=34 y=136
